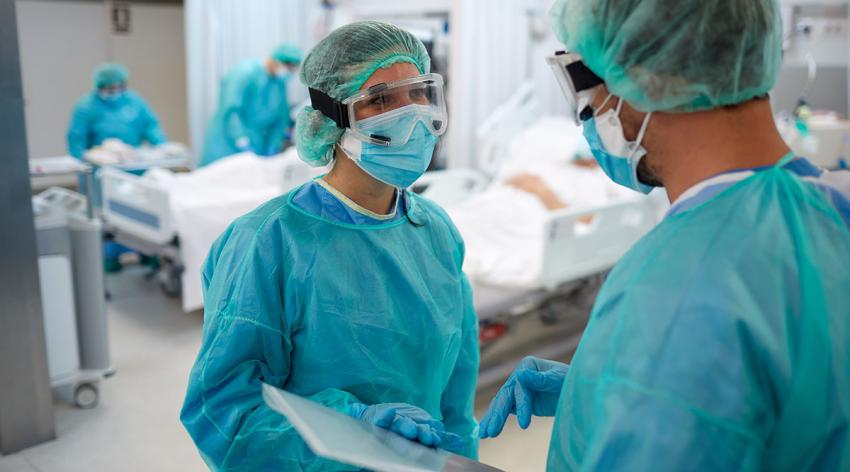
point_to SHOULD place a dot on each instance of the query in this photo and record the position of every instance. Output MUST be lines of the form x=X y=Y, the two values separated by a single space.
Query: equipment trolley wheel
x=86 y=396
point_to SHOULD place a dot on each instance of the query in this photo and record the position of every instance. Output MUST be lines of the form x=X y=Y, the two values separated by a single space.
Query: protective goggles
x=577 y=82
x=387 y=113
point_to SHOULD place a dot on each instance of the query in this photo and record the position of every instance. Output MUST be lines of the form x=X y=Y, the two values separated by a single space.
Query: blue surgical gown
x=129 y=119
x=721 y=341
x=252 y=104
x=339 y=312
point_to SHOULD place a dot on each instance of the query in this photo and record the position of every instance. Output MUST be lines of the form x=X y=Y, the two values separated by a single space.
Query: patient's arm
x=534 y=185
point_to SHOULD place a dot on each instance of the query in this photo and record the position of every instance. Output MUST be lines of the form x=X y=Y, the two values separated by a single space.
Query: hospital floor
x=136 y=426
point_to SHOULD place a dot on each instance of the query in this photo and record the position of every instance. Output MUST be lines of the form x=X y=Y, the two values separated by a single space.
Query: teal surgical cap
x=676 y=55
x=110 y=73
x=287 y=53
x=338 y=66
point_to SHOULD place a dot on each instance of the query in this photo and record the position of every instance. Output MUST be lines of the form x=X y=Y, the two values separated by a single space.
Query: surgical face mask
x=284 y=72
x=617 y=156
x=111 y=97
x=398 y=166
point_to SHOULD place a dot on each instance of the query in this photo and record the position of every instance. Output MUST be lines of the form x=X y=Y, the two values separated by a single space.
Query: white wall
x=61 y=43
x=155 y=54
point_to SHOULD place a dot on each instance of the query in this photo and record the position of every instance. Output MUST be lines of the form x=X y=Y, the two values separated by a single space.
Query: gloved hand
x=532 y=389
x=406 y=420
x=243 y=143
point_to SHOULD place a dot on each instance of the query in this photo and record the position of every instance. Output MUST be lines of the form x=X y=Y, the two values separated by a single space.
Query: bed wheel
x=169 y=283
x=549 y=314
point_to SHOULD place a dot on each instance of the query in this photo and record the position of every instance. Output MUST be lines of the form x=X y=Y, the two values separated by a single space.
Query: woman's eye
x=377 y=101
x=418 y=95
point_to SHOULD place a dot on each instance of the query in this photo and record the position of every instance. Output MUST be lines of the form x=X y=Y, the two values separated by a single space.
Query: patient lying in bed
x=550 y=170
x=536 y=186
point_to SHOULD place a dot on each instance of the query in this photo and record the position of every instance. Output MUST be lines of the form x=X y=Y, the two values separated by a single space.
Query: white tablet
x=339 y=437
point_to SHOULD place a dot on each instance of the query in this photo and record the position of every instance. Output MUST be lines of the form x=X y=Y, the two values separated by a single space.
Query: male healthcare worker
x=253 y=112
x=721 y=341
x=112 y=111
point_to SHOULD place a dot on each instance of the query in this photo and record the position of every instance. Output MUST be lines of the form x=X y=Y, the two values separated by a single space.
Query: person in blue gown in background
x=253 y=113
x=112 y=111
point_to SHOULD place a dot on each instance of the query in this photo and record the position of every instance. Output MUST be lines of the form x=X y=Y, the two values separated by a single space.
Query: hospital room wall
x=493 y=52
x=63 y=41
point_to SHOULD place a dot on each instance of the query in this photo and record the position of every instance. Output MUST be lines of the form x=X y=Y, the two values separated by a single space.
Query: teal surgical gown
x=128 y=118
x=300 y=298
x=252 y=106
x=721 y=341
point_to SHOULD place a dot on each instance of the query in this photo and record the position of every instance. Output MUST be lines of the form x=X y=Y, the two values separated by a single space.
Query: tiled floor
x=136 y=426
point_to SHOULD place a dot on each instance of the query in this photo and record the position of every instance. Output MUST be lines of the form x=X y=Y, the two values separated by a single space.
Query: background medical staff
x=112 y=111
x=720 y=341
x=253 y=112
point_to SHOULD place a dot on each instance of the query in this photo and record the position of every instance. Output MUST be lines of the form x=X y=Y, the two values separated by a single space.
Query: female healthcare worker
x=253 y=111
x=721 y=340
x=349 y=289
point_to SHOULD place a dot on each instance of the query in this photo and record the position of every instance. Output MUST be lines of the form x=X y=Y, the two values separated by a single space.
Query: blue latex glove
x=406 y=420
x=532 y=389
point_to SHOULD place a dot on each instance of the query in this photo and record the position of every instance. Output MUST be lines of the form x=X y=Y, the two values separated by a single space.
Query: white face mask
x=111 y=96
x=284 y=72
x=617 y=156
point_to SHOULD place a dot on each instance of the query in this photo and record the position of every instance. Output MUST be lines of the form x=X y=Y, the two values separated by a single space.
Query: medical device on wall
x=812 y=96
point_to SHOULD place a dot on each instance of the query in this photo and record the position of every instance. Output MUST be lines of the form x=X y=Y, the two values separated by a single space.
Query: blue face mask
x=398 y=166
x=618 y=157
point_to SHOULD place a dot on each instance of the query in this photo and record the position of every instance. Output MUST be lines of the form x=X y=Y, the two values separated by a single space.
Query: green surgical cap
x=287 y=53
x=676 y=55
x=338 y=66
x=110 y=73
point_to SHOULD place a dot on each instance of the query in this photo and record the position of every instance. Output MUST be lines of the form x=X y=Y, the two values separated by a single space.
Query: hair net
x=287 y=53
x=338 y=66
x=676 y=55
x=110 y=73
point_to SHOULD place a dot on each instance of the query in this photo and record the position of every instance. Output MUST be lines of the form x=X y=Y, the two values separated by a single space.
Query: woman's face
x=395 y=99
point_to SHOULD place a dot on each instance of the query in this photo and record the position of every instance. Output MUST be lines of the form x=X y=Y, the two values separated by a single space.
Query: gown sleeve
x=235 y=100
x=79 y=131
x=274 y=142
x=246 y=342
x=152 y=132
x=682 y=405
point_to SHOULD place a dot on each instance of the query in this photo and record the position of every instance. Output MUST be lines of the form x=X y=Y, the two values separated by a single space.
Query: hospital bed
x=176 y=217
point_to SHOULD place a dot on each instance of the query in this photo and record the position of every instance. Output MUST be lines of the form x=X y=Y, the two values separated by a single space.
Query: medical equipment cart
x=72 y=291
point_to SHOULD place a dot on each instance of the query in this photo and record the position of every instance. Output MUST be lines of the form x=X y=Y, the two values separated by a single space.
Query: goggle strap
x=330 y=108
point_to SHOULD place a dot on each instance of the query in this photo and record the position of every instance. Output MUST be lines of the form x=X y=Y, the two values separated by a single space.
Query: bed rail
x=136 y=206
x=574 y=248
x=494 y=136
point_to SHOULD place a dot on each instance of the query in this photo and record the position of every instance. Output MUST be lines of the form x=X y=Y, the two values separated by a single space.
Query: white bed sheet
x=503 y=226
x=206 y=201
